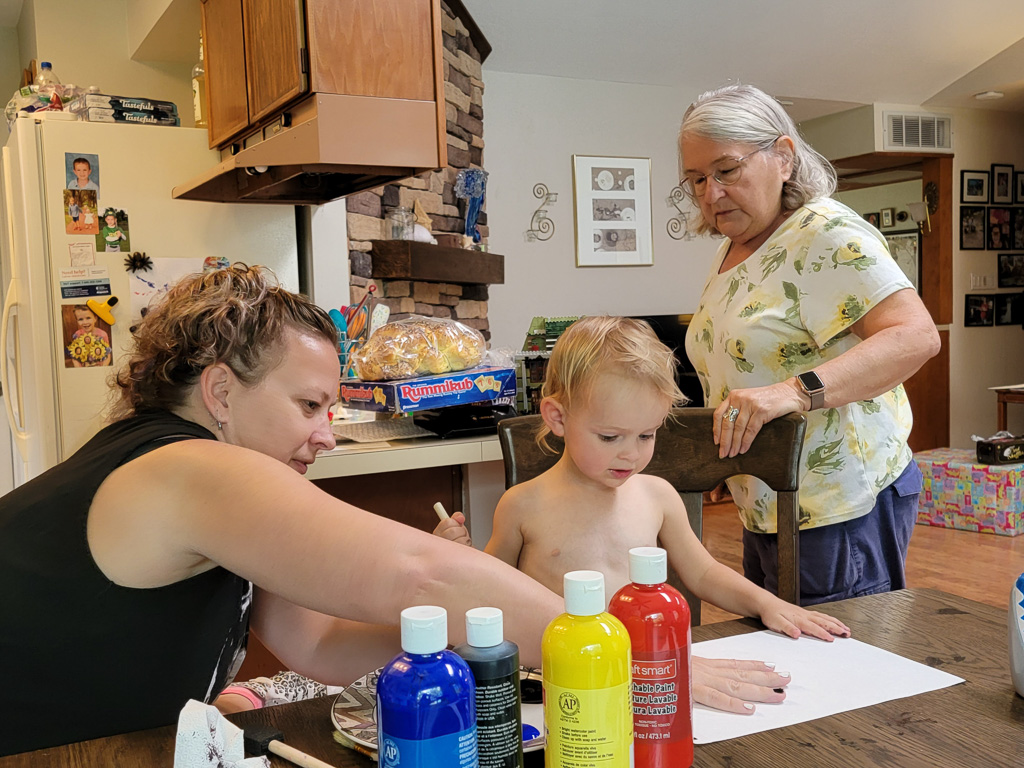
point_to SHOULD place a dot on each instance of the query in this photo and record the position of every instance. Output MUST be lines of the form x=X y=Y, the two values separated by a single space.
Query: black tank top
x=81 y=657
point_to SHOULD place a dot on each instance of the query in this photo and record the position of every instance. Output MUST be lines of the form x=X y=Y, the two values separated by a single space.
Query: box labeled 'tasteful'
x=475 y=385
x=958 y=492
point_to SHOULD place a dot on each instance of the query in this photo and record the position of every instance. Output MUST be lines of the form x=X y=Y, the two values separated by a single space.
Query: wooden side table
x=1004 y=396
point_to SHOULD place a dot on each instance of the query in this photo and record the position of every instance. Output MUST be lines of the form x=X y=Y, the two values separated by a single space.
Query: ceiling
x=823 y=56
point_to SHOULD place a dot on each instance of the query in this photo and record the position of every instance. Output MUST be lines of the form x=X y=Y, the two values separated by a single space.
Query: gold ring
x=732 y=414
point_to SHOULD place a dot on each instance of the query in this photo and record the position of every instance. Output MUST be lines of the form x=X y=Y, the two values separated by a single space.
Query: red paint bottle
x=658 y=621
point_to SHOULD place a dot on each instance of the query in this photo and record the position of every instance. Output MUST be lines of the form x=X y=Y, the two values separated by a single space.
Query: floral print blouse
x=786 y=309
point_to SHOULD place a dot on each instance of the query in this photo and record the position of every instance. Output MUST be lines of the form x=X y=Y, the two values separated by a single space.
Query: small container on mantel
x=399 y=224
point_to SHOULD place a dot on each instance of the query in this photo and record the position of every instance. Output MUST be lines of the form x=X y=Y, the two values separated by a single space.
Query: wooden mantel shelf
x=410 y=260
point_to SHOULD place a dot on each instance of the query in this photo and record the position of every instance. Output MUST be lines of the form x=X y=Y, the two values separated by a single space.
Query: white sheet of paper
x=828 y=678
x=1009 y=386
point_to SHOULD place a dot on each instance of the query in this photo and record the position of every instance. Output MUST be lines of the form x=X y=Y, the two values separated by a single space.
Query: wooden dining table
x=977 y=723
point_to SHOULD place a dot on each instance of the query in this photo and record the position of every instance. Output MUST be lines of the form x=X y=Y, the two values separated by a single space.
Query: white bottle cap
x=648 y=565
x=484 y=627
x=584 y=593
x=424 y=629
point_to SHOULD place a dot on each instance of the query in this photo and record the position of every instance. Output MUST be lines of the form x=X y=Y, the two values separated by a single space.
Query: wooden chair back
x=686 y=456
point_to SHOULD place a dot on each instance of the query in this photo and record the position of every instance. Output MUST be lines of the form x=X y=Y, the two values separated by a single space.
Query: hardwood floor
x=979 y=566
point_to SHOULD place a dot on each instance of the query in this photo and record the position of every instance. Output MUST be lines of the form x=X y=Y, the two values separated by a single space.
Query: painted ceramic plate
x=355 y=713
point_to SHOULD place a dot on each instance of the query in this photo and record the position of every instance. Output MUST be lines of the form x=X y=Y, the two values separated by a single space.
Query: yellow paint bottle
x=588 y=708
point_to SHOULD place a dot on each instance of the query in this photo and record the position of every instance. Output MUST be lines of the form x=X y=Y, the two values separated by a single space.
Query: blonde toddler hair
x=602 y=344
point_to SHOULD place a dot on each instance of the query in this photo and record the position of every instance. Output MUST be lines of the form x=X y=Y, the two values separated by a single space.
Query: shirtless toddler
x=610 y=385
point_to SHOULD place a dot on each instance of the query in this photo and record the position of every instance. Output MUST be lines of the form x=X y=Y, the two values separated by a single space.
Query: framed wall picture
x=1018 y=187
x=1000 y=228
x=873 y=219
x=1011 y=270
x=613 y=211
x=888 y=217
x=905 y=248
x=1018 y=229
x=979 y=310
x=1002 y=184
x=1009 y=308
x=972 y=228
x=974 y=187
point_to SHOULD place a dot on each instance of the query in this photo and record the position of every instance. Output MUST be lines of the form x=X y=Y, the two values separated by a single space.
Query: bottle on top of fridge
x=199 y=88
x=49 y=84
x=426 y=705
x=494 y=662
x=588 y=712
x=657 y=618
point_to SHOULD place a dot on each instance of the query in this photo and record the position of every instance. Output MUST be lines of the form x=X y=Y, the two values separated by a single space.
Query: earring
x=220 y=426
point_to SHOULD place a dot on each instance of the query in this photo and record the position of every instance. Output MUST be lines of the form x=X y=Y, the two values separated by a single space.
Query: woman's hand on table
x=792 y=620
x=732 y=684
x=754 y=408
x=454 y=529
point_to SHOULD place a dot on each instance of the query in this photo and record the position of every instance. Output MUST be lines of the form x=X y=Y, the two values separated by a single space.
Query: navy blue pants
x=862 y=556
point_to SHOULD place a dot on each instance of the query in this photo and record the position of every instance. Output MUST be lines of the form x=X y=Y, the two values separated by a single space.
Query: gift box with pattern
x=958 y=492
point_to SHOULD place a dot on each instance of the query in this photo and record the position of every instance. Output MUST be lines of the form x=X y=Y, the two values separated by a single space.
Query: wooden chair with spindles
x=686 y=456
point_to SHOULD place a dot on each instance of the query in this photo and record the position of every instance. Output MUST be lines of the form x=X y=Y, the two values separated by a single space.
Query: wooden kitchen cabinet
x=263 y=56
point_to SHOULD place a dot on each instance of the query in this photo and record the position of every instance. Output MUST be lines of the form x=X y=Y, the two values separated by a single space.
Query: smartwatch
x=814 y=388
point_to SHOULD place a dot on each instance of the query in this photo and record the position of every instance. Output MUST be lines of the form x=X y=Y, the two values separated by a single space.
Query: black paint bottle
x=494 y=662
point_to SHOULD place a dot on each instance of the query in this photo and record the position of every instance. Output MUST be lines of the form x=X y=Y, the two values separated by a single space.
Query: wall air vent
x=917 y=132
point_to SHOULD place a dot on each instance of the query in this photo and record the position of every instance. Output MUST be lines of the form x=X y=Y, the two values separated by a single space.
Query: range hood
x=325 y=147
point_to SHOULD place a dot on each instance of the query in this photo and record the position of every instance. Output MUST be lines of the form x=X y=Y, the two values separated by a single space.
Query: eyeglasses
x=726 y=174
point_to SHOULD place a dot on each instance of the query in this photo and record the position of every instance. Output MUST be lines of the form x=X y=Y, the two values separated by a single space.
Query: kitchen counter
x=416 y=477
x=350 y=458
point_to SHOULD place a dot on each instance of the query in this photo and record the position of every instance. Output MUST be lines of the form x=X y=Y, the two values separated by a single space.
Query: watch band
x=814 y=388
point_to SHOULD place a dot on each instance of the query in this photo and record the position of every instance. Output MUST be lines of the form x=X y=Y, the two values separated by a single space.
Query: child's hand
x=792 y=620
x=454 y=529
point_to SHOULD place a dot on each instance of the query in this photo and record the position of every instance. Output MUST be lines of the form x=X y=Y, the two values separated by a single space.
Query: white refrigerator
x=53 y=262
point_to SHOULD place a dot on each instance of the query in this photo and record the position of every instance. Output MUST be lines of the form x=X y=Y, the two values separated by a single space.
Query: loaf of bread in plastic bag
x=418 y=346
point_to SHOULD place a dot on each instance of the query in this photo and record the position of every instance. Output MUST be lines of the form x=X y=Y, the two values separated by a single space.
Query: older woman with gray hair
x=804 y=310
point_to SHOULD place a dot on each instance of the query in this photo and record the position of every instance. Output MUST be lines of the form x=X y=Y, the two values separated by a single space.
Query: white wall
x=981 y=357
x=533 y=126
x=10 y=68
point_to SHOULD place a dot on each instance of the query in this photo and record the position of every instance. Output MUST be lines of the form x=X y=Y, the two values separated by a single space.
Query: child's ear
x=553 y=413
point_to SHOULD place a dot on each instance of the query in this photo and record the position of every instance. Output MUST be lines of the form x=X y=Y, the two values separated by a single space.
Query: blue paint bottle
x=426 y=699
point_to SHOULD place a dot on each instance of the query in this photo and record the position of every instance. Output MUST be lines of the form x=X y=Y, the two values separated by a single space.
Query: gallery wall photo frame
x=974 y=187
x=1000 y=228
x=612 y=197
x=972 y=228
x=1017 y=236
x=905 y=249
x=1018 y=187
x=1001 y=189
x=1009 y=308
x=888 y=217
x=979 y=310
x=1010 y=270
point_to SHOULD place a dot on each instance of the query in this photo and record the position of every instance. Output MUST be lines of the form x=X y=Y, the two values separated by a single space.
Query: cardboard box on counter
x=406 y=395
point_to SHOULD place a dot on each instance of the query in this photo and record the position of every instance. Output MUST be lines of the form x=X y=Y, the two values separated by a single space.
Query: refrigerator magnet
x=113 y=235
x=82 y=171
x=80 y=212
x=86 y=338
x=83 y=254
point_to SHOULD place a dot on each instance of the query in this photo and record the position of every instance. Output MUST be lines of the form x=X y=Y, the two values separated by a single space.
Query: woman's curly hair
x=235 y=316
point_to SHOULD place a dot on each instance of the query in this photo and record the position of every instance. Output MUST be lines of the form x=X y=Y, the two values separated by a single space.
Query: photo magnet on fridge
x=86 y=338
x=82 y=170
x=113 y=236
x=80 y=217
